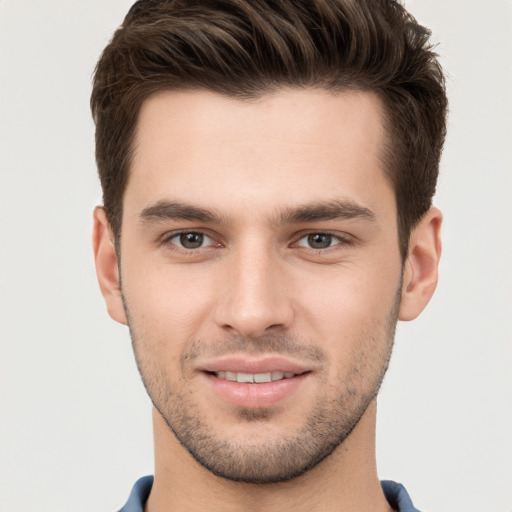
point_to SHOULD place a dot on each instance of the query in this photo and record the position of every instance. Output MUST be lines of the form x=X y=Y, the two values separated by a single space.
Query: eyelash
x=340 y=240
x=168 y=240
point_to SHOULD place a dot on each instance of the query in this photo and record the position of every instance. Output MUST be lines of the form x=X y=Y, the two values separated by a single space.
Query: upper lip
x=244 y=364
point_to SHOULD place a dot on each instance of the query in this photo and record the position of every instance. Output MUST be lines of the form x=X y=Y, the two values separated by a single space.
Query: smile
x=253 y=382
x=255 y=390
x=258 y=378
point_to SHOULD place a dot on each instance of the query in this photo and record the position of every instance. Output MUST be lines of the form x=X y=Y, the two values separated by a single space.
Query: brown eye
x=191 y=240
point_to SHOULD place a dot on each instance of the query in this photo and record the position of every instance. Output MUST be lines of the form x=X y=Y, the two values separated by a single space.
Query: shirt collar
x=395 y=494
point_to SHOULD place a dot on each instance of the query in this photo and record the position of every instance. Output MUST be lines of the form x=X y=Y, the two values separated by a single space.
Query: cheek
x=165 y=302
x=359 y=290
x=351 y=304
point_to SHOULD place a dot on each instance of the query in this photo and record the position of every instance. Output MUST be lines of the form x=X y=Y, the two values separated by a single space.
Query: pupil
x=319 y=241
x=191 y=240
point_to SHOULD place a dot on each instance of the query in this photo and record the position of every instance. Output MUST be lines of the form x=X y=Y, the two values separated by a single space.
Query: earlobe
x=107 y=269
x=421 y=267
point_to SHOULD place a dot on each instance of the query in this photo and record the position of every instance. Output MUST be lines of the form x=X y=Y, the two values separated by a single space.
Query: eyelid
x=342 y=239
x=167 y=239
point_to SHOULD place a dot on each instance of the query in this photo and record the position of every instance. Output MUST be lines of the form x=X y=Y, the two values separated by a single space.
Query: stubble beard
x=334 y=416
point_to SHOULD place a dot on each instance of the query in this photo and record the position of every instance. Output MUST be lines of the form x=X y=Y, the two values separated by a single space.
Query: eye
x=319 y=241
x=191 y=240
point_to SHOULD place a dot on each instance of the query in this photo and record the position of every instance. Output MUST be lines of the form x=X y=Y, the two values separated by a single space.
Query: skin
x=299 y=260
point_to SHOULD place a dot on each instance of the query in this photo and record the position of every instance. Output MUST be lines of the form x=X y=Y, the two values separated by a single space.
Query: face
x=260 y=273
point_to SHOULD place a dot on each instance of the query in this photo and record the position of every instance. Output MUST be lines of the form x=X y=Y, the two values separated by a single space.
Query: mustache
x=284 y=345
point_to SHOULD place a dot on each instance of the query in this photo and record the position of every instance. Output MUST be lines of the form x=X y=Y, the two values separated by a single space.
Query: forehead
x=291 y=145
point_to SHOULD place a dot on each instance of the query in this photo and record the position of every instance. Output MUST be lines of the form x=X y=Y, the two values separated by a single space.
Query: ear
x=421 y=266
x=107 y=268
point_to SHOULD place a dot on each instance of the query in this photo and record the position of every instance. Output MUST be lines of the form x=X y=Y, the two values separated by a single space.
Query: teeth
x=263 y=377
x=254 y=377
x=244 y=377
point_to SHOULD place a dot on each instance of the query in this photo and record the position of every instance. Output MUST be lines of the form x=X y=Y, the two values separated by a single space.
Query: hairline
x=384 y=153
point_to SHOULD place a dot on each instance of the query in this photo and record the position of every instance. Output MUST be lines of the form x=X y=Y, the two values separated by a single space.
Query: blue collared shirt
x=395 y=494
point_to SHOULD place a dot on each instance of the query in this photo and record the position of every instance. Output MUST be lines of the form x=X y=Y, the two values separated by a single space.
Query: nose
x=254 y=295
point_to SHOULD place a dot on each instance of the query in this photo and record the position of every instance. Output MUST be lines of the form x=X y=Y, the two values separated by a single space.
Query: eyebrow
x=321 y=211
x=331 y=210
x=172 y=210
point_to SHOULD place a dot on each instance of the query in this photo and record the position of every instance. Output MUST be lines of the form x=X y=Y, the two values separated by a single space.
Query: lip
x=258 y=365
x=254 y=395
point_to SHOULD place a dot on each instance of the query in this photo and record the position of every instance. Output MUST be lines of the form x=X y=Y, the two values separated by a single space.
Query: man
x=268 y=171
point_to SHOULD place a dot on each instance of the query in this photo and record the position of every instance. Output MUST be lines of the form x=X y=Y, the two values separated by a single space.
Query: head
x=268 y=170
x=245 y=49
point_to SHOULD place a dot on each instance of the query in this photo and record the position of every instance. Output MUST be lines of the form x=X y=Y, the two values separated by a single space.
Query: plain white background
x=75 y=426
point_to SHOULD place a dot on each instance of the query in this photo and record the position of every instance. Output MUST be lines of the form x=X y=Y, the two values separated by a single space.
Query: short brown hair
x=246 y=48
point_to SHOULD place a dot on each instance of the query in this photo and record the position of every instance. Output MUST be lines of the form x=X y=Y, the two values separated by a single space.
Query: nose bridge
x=253 y=299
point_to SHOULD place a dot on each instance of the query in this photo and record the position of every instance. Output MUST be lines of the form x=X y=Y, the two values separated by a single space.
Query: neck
x=345 y=480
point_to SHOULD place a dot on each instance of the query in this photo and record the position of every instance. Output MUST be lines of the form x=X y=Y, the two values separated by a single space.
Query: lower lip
x=255 y=396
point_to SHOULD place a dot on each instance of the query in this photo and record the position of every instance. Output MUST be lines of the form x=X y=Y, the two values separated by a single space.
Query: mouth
x=254 y=383
x=255 y=378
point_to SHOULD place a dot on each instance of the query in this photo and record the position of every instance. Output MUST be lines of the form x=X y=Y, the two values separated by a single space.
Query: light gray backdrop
x=75 y=428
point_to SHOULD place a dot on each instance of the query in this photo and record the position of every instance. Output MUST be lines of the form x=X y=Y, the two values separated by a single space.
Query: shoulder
x=139 y=495
x=397 y=496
